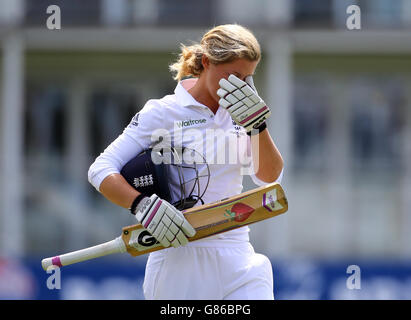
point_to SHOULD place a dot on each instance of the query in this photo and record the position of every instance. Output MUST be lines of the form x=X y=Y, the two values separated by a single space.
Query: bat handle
x=114 y=246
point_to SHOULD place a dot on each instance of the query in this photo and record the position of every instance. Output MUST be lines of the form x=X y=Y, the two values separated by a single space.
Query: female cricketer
x=215 y=91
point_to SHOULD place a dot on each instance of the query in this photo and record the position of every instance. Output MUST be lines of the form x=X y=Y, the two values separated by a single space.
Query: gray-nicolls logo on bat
x=146 y=239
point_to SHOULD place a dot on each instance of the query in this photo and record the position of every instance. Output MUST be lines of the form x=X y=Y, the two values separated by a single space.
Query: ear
x=205 y=61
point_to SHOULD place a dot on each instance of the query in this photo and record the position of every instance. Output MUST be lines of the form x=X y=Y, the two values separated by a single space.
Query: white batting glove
x=242 y=101
x=164 y=222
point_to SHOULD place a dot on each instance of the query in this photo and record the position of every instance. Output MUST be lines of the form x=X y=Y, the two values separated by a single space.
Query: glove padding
x=242 y=101
x=164 y=222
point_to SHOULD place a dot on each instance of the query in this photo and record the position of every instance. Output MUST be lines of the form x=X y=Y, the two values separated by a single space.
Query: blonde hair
x=221 y=44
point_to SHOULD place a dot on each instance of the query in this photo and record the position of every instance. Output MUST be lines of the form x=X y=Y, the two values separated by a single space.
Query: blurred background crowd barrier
x=341 y=117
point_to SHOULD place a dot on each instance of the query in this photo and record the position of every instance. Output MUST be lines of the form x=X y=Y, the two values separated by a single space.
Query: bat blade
x=217 y=217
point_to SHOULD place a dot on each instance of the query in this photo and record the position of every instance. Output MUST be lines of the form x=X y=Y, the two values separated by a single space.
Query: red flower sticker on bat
x=241 y=211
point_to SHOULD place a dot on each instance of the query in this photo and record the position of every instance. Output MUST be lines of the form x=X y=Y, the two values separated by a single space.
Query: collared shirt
x=183 y=121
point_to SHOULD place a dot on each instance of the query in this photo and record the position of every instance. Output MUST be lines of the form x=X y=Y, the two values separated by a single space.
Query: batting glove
x=243 y=103
x=164 y=222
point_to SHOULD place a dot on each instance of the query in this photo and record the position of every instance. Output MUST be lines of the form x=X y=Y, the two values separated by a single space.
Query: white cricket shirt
x=188 y=123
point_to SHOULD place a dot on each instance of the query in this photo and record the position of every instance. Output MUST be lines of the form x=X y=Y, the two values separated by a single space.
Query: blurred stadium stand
x=341 y=104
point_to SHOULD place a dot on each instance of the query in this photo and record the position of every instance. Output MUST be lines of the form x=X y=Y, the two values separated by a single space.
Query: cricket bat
x=209 y=219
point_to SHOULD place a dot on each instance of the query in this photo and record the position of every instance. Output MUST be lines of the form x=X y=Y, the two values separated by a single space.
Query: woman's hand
x=164 y=222
x=243 y=103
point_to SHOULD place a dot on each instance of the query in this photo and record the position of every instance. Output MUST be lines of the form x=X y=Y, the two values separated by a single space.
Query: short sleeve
x=136 y=137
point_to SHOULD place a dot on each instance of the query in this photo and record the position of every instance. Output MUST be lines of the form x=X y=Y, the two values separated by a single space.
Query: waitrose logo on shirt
x=191 y=122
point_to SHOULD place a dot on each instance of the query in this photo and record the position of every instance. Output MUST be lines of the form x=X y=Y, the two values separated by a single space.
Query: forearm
x=116 y=189
x=267 y=159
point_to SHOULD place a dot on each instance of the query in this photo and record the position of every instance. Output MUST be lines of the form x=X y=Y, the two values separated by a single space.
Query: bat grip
x=114 y=246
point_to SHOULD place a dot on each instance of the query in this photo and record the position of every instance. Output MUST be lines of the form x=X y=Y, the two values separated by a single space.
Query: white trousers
x=208 y=273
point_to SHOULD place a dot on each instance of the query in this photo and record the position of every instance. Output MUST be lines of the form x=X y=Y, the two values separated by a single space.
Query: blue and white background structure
x=341 y=116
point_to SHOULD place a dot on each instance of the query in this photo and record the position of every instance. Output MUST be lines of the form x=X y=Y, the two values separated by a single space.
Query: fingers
x=181 y=222
x=222 y=93
x=224 y=103
x=233 y=90
x=226 y=85
x=231 y=98
x=180 y=240
x=188 y=228
x=250 y=82
x=164 y=222
x=236 y=81
x=248 y=91
x=241 y=100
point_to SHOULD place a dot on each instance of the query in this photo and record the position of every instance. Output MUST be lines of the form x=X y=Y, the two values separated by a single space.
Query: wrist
x=258 y=130
x=136 y=202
